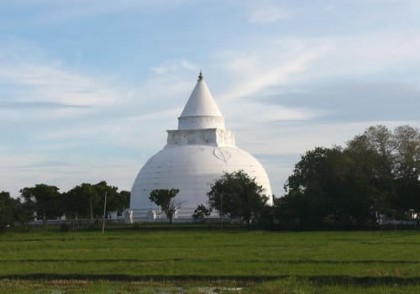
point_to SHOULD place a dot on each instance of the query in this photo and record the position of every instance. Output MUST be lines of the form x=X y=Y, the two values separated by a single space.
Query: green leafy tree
x=407 y=158
x=306 y=190
x=407 y=168
x=83 y=201
x=394 y=167
x=379 y=139
x=237 y=195
x=8 y=210
x=46 y=199
x=87 y=200
x=116 y=201
x=372 y=167
x=25 y=212
x=201 y=212
x=122 y=201
x=326 y=189
x=165 y=199
x=377 y=173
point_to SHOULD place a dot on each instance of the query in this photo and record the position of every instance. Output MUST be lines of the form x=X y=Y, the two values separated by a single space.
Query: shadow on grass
x=302 y=261
x=320 y=280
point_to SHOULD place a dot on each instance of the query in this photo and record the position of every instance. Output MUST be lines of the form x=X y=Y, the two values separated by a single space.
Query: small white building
x=196 y=154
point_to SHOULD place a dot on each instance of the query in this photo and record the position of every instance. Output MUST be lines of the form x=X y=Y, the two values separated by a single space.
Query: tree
x=14 y=211
x=407 y=168
x=87 y=200
x=305 y=188
x=116 y=201
x=83 y=201
x=372 y=166
x=326 y=188
x=394 y=167
x=237 y=195
x=407 y=158
x=164 y=199
x=8 y=209
x=201 y=212
x=377 y=173
x=46 y=199
x=120 y=202
x=25 y=212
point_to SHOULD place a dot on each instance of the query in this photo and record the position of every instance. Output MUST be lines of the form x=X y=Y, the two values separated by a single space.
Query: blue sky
x=88 y=87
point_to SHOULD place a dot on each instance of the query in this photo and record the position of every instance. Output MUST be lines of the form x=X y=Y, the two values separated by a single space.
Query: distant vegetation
x=43 y=202
x=374 y=178
x=165 y=199
x=237 y=195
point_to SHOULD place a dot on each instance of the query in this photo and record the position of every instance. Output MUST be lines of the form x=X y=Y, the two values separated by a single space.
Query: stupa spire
x=201 y=110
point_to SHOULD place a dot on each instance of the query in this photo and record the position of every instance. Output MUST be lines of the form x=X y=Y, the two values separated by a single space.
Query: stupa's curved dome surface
x=196 y=154
x=191 y=169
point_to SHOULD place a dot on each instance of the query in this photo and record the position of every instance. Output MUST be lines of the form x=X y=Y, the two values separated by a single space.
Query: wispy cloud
x=266 y=67
x=353 y=100
x=66 y=107
x=45 y=93
x=367 y=54
x=45 y=83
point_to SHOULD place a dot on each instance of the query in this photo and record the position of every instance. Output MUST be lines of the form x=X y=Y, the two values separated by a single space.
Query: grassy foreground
x=210 y=261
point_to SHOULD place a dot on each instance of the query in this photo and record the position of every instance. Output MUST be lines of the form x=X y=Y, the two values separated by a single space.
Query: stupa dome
x=196 y=154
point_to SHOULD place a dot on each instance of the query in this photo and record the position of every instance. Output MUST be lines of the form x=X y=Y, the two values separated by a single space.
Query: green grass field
x=203 y=260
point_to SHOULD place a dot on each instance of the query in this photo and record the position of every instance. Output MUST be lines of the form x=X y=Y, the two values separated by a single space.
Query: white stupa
x=196 y=154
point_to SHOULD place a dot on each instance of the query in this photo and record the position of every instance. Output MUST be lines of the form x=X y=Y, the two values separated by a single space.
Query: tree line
x=43 y=202
x=376 y=175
